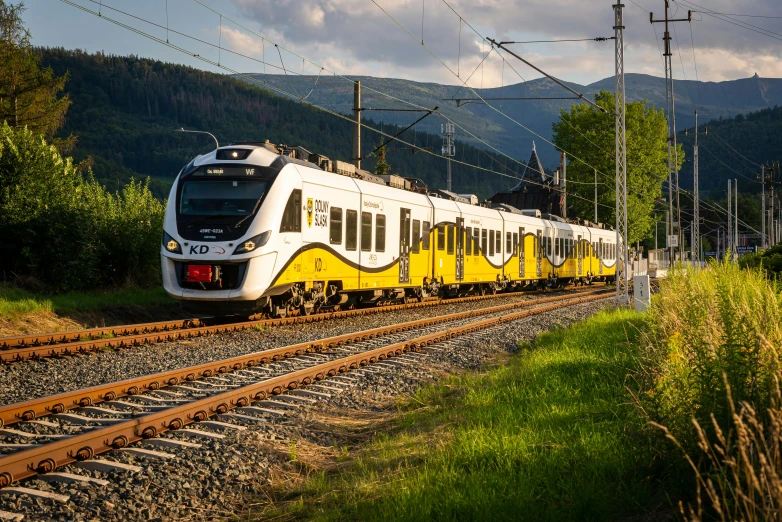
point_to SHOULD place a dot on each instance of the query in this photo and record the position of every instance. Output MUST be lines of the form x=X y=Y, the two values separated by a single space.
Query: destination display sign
x=220 y=170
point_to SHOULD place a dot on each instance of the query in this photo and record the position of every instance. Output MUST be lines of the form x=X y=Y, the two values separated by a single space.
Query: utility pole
x=357 y=126
x=729 y=237
x=622 y=273
x=448 y=150
x=563 y=170
x=736 y=221
x=763 y=207
x=718 y=244
x=673 y=160
x=596 y=196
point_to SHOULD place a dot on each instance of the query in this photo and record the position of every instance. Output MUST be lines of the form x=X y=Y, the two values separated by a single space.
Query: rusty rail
x=60 y=403
x=22 y=348
x=51 y=456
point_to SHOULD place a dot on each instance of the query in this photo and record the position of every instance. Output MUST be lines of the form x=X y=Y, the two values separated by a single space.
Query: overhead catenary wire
x=283 y=92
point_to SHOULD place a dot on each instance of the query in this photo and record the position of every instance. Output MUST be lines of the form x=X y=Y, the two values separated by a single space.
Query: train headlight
x=254 y=242
x=171 y=244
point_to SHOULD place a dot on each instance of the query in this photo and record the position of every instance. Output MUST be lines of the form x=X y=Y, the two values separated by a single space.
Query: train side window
x=484 y=241
x=498 y=242
x=548 y=247
x=425 y=238
x=515 y=241
x=366 y=232
x=508 y=242
x=491 y=242
x=351 y=230
x=451 y=238
x=291 y=217
x=476 y=241
x=441 y=236
x=380 y=233
x=468 y=243
x=335 y=226
x=416 y=244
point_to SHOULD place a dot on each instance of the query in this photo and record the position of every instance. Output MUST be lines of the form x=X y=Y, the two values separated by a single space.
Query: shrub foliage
x=67 y=232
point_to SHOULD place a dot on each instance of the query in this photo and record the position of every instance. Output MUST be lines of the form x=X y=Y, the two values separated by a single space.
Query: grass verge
x=15 y=303
x=549 y=434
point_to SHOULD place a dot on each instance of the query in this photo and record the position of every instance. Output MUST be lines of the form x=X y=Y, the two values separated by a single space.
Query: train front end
x=216 y=252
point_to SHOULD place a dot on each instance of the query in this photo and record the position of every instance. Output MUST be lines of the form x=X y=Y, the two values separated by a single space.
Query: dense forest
x=733 y=148
x=125 y=111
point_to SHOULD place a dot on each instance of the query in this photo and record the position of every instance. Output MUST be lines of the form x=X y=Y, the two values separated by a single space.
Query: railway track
x=175 y=400
x=31 y=347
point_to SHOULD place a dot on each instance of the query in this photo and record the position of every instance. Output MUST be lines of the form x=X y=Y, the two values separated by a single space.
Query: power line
x=597 y=39
x=281 y=91
x=738 y=23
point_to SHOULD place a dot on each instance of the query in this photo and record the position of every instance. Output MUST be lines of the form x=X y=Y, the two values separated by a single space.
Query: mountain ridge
x=712 y=99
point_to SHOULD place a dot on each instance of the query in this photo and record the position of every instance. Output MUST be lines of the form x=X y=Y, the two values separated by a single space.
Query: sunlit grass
x=549 y=435
x=15 y=303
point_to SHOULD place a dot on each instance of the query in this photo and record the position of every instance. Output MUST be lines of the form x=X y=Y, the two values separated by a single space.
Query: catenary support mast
x=622 y=276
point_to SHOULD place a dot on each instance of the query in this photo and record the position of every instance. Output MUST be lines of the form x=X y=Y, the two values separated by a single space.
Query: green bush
x=711 y=329
x=68 y=233
x=770 y=260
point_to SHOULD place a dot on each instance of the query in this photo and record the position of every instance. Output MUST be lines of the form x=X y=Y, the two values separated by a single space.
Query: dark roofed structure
x=535 y=189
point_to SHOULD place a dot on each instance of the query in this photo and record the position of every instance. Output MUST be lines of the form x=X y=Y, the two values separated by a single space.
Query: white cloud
x=355 y=37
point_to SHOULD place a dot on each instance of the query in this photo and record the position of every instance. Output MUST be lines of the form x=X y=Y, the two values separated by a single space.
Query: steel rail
x=24 y=348
x=48 y=457
x=62 y=402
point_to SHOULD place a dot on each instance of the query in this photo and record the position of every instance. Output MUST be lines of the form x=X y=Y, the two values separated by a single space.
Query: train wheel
x=306 y=309
x=281 y=312
x=482 y=289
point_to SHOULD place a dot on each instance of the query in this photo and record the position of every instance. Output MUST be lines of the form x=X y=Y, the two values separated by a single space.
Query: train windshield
x=222 y=197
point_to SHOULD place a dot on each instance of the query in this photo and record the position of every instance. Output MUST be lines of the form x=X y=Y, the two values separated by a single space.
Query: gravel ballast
x=217 y=479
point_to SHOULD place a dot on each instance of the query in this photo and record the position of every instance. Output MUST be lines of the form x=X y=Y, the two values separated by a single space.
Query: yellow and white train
x=255 y=227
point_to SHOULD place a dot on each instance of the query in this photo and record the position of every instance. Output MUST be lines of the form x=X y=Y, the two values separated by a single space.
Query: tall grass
x=711 y=371
x=711 y=330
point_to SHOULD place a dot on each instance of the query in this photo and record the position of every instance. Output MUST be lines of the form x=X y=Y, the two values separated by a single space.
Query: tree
x=589 y=136
x=28 y=93
x=382 y=167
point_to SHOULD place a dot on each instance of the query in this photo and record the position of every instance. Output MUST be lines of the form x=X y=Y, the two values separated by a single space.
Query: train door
x=539 y=254
x=404 y=245
x=600 y=256
x=520 y=252
x=459 y=249
x=580 y=251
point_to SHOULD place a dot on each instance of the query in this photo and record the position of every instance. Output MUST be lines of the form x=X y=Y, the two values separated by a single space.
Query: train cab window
x=425 y=237
x=441 y=236
x=468 y=243
x=416 y=244
x=451 y=238
x=491 y=242
x=380 y=233
x=351 y=230
x=335 y=226
x=498 y=242
x=484 y=241
x=508 y=243
x=366 y=232
x=291 y=216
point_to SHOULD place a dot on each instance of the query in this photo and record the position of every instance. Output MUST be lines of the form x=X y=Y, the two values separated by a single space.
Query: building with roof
x=535 y=190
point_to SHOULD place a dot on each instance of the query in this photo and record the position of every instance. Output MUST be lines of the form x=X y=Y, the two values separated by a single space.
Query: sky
x=356 y=37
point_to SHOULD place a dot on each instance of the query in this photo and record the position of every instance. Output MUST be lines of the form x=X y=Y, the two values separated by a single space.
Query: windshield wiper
x=205 y=218
x=248 y=216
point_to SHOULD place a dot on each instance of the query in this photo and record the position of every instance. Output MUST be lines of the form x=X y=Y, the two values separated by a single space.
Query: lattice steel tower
x=622 y=276
x=449 y=149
